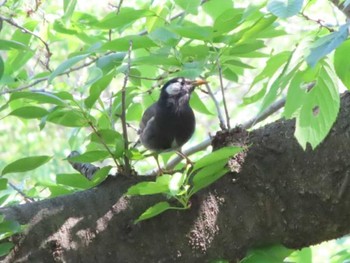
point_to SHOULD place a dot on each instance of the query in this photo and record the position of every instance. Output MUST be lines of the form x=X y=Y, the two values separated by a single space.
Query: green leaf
x=341 y=63
x=161 y=185
x=256 y=97
x=164 y=36
x=302 y=256
x=2 y=67
x=228 y=21
x=192 y=31
x=123 y=43
x=123 y=18
x=67 y=117
x=75 y=180
x=8 y=45
x=68 y=7
x=216 y=8
x=5 y=248
x=110 y=61
x=189 y=6
x=319 y=110
x=134 y=112
x=326 y=45
x=176 y=181
x=221 y=154
x=272 y=65
x=29 y=112
x=209 y=174
x=109 y=137
x=89 y=157
x=153 y=211
x=284 y=8
x=198 y=105
x=101 y=175
x=295 y=96
x=272 y=254
x=40 y=96
x=66 y=65
x=3 y=183
x=25 y=164
x=97 y=88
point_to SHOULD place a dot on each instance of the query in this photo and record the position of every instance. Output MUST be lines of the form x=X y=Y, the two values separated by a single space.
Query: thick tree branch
x=282 y=195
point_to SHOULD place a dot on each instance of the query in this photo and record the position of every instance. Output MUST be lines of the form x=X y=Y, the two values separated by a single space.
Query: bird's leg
x=160 y=170
x=181 y=154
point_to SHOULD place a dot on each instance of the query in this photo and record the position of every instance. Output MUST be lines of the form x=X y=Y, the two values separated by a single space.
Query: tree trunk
x=281 y=195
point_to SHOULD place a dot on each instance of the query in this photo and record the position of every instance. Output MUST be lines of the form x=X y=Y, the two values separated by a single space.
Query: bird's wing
x=147 y=116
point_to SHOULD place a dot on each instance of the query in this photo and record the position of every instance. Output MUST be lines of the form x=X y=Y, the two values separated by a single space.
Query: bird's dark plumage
x=169 y=123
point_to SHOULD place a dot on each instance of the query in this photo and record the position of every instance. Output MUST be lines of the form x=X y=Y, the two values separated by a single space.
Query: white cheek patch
x=174 y=88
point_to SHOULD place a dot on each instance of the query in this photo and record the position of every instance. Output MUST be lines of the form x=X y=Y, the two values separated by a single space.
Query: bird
x=170 y=122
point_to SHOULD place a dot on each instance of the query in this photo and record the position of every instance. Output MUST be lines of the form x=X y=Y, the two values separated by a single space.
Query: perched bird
x=169 y=123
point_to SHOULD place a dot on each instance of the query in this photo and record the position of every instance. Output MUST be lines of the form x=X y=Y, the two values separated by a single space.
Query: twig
x=123 y=115
x=204 y=144
x=318 y=21
x=46 y=78
x=24 y=30
x=228 y=126
x=102 y=141
x=27 y=198
x=217 y=106
x=268 y=112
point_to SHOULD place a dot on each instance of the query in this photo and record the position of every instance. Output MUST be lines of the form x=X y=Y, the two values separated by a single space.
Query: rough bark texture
x=281 y=195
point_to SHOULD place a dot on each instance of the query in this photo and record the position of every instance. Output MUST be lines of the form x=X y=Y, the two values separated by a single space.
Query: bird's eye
x=173 y=88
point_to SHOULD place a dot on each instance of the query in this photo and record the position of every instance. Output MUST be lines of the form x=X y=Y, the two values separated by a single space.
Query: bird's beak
x=199 y=82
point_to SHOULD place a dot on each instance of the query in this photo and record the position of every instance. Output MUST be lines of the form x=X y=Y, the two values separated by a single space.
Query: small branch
x=318 y=21
x=8 y=91
x=217 y=106
x=274 y=107
x=26 y=198
x=103 y=142
x=24 y=30
x=228 y=126
x=123 y=115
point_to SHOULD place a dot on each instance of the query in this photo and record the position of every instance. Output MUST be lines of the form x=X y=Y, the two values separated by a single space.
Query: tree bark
x=281 y=195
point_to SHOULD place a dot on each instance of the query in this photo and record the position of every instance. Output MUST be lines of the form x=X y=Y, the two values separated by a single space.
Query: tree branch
x=269 y=204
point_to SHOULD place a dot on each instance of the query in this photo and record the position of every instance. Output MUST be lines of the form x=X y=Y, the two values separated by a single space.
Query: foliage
x=73 y=78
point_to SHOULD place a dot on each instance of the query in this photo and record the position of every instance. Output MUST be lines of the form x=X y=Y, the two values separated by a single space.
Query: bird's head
x=178 y=90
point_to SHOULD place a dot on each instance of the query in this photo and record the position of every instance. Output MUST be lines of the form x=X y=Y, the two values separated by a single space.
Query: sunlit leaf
x=341 y=62
x=319 y=110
